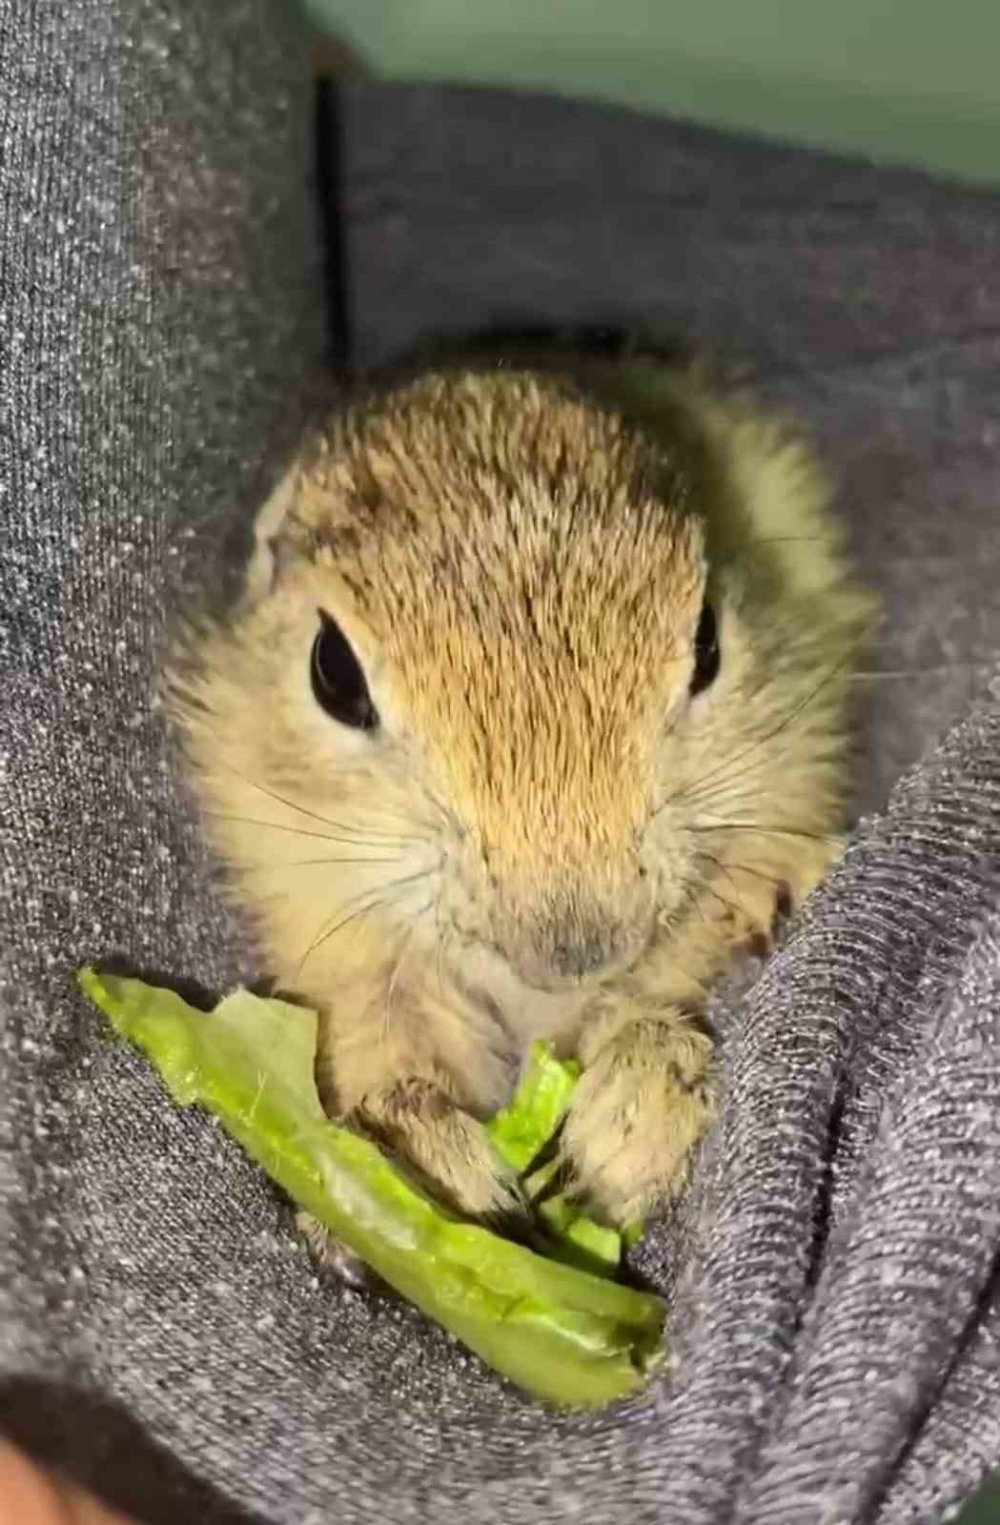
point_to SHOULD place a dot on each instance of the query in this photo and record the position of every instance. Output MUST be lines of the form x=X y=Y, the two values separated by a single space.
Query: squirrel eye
x=337 y=680
x=706 y=650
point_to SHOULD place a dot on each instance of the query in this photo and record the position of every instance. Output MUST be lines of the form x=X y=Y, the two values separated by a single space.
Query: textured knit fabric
x=834 y=1325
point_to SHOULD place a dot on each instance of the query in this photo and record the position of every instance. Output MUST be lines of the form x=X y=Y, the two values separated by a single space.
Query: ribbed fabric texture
x=162 y=1334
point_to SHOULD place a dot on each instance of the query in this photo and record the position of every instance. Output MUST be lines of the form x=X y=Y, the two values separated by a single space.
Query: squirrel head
x=484 y=644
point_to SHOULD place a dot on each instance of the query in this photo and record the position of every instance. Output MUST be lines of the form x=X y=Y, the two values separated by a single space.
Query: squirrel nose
x=582 y=952
x=571 y=940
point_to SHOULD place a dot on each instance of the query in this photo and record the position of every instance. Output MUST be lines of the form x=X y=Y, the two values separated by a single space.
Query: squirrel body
x=535 y=708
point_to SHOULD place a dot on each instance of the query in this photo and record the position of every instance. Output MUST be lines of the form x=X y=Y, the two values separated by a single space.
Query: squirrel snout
x=581 y=951
x=570 y=940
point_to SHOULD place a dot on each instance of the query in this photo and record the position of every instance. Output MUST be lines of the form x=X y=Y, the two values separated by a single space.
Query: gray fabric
x=161 y=1333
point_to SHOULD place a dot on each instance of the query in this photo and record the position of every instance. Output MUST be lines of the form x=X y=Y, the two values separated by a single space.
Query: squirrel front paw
x=641 y=1105
x=419 y=1123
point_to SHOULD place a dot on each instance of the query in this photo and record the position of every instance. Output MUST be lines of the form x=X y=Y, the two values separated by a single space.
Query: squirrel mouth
x=582 y=961
x=567 y=946
x=557 y=981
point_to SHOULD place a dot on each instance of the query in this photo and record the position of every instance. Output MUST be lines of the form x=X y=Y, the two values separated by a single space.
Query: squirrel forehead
x=529 y=572
x=501 y=504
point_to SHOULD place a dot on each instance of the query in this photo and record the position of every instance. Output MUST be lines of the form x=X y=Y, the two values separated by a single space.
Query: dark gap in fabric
x=329 y=190
x=822 y=1208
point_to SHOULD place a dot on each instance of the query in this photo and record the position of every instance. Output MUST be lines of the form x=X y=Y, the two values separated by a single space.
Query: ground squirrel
x=534 y=708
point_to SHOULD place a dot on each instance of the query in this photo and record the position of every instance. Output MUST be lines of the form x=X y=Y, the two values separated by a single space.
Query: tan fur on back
x=544 y=834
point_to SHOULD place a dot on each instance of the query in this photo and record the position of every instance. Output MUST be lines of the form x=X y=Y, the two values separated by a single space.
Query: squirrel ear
x=273 y=550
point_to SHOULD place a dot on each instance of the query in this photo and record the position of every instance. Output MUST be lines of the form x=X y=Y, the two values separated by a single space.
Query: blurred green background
x=903 y=81
x=907 y=81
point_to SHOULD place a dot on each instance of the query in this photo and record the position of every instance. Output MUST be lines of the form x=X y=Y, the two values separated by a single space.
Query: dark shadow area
x=96 y=1443
x=542 y=344
x=191 y=991
x=822 y=1206
x=328 y=160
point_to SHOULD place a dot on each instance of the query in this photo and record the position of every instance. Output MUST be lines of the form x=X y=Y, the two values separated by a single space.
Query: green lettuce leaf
x=520 y=1132
x=558 y=1332
x=522 y=1129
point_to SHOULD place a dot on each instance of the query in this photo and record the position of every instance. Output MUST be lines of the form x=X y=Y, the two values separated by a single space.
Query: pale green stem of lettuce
x=521 y=1130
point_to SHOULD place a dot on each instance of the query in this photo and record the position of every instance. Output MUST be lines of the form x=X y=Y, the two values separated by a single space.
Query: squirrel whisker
x=769 y=831
x=271 y=864
x=740 y=868
x=725 y=769
x=380 y=899
x=312 y=814
x=319 y=836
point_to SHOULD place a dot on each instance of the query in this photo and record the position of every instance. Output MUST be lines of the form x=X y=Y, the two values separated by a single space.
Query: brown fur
x=545 y=836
